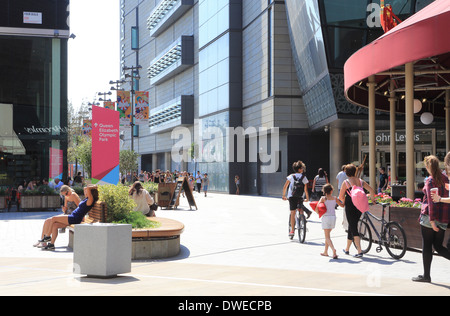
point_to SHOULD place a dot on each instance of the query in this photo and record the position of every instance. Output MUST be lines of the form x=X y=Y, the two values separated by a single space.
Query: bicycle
x=392 y=235
x=300 y=225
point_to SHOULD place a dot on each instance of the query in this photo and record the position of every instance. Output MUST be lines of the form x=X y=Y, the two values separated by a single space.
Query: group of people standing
x=434 y=217
x=197 y=182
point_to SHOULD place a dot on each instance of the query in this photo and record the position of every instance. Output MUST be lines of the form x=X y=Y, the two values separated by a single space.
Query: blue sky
x=94 y=55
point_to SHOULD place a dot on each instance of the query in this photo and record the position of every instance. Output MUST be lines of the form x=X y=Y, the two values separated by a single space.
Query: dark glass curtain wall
x=33 y=109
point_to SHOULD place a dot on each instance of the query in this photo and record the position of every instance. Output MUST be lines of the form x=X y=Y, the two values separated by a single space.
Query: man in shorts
x=296 y=184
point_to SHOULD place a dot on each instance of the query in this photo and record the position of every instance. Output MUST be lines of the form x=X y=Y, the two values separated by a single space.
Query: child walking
x=329 y=218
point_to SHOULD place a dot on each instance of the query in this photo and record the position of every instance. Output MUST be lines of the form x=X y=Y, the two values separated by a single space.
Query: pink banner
x=56 y=163
x=105 y=146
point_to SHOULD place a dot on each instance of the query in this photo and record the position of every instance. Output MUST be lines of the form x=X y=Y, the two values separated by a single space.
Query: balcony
x=174 y=60
x=178 y=112
x=166 y=13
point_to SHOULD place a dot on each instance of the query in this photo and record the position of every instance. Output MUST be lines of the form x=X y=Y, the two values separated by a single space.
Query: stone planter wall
x=40 y=202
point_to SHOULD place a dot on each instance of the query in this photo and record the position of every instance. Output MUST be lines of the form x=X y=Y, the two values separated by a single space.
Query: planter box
x=3 y=203
x=409 y=220
x=102 y=250
x=40 y=202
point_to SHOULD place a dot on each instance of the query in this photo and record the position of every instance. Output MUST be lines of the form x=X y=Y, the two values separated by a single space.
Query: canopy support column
x=372 y=136
x=447 y=119
x=409 y=110
x=393 y=148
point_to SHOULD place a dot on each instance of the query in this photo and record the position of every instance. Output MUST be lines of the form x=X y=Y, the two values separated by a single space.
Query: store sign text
x=386 y=138
x=46 y=130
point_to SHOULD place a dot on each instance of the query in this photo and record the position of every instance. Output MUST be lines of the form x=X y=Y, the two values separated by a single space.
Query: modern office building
x=33 y=90
x=274 y=68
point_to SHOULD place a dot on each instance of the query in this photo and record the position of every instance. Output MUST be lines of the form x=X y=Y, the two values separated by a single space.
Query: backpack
x=359 y=197
x=299 y=187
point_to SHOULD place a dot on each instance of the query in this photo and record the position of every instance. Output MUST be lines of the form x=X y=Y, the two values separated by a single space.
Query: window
x=134 y=38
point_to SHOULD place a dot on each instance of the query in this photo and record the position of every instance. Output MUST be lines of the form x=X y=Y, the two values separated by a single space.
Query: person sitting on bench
x=51 y=225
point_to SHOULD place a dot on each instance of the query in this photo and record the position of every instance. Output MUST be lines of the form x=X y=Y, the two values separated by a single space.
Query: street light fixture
x=134 y=75
x=118 y=83
x=104 y=94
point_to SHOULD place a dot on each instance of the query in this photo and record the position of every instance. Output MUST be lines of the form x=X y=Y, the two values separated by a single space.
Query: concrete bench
x=155 y=243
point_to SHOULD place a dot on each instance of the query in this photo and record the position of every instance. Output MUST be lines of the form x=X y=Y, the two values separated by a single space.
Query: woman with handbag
x=352 y=213
x=434 y=217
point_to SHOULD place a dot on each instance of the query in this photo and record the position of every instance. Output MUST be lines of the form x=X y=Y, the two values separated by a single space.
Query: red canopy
x=424 y=38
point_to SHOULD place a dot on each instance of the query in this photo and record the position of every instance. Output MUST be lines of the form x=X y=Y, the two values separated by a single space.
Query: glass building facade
x=220 y=85
x=324 y=34
x=33 y=92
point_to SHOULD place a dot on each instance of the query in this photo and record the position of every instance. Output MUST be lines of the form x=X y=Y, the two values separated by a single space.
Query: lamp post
x=134 y=75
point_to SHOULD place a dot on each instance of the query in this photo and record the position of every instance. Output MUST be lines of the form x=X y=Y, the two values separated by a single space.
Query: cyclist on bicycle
x=297 y=184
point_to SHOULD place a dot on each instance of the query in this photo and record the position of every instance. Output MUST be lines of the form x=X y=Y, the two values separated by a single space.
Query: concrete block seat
x=156 y=243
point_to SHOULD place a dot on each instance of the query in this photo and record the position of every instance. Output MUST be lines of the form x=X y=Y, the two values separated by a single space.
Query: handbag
x=321 y=208
x=154 y=207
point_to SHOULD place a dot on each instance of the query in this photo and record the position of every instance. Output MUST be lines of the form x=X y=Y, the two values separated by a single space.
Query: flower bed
x=403 y=202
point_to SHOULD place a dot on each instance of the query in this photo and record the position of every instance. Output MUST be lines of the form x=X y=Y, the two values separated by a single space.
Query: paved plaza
x=231 y=246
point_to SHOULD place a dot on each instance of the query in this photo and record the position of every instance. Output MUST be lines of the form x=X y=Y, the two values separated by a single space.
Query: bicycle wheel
x=301 y=227
x=395 y=240
x=365 y=235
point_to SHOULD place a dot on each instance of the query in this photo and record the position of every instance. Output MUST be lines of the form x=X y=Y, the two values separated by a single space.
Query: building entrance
x=424 y=146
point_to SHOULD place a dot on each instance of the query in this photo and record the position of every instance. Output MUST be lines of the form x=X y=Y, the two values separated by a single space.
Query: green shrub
x=120 y=207
x=117 y=200
x=151 y=187
x=138 y=220
x=41 y=190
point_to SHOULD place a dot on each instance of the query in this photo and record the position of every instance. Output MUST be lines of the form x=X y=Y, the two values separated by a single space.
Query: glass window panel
x=134 y=38
x=223 y=72
x=223 y=47
x=212 y=28
x=202 y=65
x=212 y=101
x=212 y=6
x=312 y=10
x=346 y=13
x=224 y=97
x=203 y=82
x=401 y=7
x=342 y=43
x=223 y=21
x=420 y=4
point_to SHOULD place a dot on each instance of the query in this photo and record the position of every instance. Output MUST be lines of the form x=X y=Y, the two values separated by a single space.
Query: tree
x=83 y=153
x=128 y=161
x=75 y=135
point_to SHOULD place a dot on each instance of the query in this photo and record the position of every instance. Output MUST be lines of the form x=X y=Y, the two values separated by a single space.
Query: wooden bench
x=97 y=214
